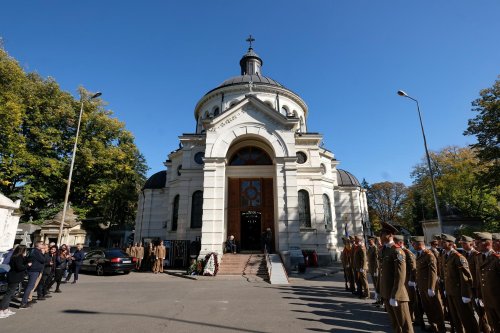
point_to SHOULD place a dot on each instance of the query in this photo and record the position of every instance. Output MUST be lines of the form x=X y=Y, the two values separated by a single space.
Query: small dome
x=345 y=178
x=156 y=181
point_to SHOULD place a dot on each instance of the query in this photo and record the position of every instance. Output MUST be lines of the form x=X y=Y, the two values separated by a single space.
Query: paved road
x=144 y=302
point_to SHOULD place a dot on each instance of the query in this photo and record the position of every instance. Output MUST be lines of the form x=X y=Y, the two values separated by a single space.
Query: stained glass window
x=304 y=210
x=250 y=193
x=250 y=156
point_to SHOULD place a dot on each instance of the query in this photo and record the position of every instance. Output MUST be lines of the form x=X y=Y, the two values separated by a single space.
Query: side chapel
x=253 y=164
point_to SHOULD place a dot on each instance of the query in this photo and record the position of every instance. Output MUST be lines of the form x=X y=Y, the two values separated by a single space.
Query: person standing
x=392 y=281
x=458 y=287
x=160 y=257
x=427 y=285
x=61 y=265
x=77 y=259
x=488 y=270
x=372 y=254
x=18 y=268
x=471 y=254
x=36 y=262
x=139 y=256
x=347 y=264
x=360 y=267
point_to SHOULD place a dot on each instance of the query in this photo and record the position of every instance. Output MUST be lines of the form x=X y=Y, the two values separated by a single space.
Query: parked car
x=108 y=261
x=3 y=255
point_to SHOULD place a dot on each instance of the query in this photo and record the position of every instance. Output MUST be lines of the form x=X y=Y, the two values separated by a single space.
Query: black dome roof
x=345 y=178
x=156 y=181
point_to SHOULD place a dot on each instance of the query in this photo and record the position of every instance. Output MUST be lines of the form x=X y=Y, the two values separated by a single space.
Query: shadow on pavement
x=336 y=308
x=233 y=329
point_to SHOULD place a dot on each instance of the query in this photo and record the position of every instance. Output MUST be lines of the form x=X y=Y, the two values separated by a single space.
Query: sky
x=153 y=61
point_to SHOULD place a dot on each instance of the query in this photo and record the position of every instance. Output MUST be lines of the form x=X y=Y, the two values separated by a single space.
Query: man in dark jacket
x=37 y=260
x=41 y=289
x=77 y=258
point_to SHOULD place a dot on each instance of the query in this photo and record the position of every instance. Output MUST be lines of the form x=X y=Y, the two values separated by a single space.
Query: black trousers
x=57 y=277
x=11 y=290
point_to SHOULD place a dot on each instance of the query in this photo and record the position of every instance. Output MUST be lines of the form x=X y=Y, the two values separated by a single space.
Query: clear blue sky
x=153 y=60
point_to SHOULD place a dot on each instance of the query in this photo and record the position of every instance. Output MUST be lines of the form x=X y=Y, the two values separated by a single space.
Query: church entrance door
x=250 y=210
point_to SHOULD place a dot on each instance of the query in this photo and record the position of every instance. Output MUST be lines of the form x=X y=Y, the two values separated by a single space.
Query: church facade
x=253 y=165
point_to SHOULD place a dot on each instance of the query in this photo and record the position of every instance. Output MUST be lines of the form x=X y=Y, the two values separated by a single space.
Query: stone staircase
x=247 y=265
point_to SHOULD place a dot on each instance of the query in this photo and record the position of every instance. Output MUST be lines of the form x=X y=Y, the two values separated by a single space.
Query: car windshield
x=116 y=253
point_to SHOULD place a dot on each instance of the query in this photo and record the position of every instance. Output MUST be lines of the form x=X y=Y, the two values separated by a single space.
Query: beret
x=436 y=237
x=495 y=236
x=464 y=238
x=418 y=238
x=399 y=238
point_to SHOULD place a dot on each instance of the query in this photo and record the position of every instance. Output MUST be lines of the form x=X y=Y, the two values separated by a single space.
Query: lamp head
x=402 y=93
x=97 y=94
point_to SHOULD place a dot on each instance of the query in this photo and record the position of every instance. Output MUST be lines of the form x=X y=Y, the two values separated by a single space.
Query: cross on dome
x=250 y=39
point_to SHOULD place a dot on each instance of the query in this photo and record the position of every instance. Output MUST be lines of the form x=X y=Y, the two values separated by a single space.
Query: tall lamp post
x=68 y=186
x=440 y=221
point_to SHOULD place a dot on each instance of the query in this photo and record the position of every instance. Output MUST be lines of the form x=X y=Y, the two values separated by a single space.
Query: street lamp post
x=68 y=186
x=440 y=221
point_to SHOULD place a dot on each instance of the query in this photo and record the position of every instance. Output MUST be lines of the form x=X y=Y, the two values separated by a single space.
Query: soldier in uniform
x=352 y=253
x=471 y=255
x=372 y=254
x=160 y=253
x=427 y=285
x=488 y=268
x=392 y=281
x=496 y=242
x=360 y=267
x=345 y=257
x=458 y=287
x=410 y=284
x=139 y=255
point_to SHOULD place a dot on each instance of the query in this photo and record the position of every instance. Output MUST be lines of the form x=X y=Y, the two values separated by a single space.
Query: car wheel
x=99 y=270
x=126 y=272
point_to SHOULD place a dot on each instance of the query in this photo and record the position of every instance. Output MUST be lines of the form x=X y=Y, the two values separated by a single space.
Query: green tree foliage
x=458 y=187
x=37 y=129
x=385 y=203
x=486 y=127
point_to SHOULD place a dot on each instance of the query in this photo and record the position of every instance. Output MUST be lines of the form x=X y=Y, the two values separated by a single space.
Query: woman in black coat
x=16 y=274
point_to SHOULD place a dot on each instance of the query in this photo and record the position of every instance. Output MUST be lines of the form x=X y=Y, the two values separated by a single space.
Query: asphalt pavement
x=145 y=302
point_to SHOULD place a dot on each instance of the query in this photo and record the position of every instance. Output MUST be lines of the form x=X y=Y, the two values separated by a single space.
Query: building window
x=197 y=209
x=216 y=111
x=304 y=210
x=323 y=168
x=198 y=157
x=175 y=213
x=327 y=212
x=250 y=193
x=301 y=157
x=250 y=156
x=179 y=170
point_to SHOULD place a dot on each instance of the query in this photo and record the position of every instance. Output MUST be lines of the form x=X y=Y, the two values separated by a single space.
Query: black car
x=108 y=261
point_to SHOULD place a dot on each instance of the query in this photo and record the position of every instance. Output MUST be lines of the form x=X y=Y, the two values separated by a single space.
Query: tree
x=37 y=129
x=486 y=127
x=458 y=187
x=385 y=202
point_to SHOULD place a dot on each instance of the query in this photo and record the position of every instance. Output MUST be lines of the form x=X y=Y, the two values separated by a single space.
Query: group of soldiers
x=154 y=255
x=461 y=286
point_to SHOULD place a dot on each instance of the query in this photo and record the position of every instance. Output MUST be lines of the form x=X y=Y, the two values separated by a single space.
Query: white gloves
x=480 y=302
x=465 y=300
x=361 y=270
x=412 y=284
x=431 y=293
x=393 y=302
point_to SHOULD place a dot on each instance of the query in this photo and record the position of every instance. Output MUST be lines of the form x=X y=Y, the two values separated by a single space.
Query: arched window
x=175 y=213
x=327 y=211
x=196 y=209
x=216 y=111
x=284 y=111
x=250 y=156
x=304 y=210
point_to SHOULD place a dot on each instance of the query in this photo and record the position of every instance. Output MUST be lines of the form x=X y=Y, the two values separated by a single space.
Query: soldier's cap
x=359 y=235
x=418 y=238
x=464 y=238
x=351 y=238
x=448 y=238
x=372 y=237
x=345 y=239
x=399 y=238
x=495 y=236
x=483 y=235
x=436 y=237
x=388 y=228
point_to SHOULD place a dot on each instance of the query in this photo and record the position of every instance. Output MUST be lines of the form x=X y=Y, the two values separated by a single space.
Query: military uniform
x=427 y=284
x=360 y=267
x=489 y=287
x=392 y=280
x=372 y=255
x=411 y=268
x=354 y=248
x=347 y=265
x=160 y=257
x=458 y=285
x=139 y=254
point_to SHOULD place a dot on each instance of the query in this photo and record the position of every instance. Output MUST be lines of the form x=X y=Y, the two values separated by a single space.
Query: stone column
x=213 y=227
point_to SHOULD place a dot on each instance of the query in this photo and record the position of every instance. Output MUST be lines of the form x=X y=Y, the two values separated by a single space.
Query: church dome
x=156 y=181
x=345 y=178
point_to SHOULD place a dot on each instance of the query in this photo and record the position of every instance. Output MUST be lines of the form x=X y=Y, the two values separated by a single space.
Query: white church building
x=253 y=164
